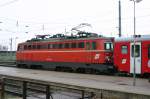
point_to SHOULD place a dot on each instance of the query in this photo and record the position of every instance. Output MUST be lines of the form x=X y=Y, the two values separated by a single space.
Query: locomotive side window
x=60 y=46
x=137 y=50
x=50 y=46
x=34 y=46
x=81 y=45
x=54 y=46
x=38 y=46
x=43 y=47
x=73 y=45
x=88 y=45
x=66 y=45
x=108 y=46
x=124 y=49
x=94 y=45
x=149 y=51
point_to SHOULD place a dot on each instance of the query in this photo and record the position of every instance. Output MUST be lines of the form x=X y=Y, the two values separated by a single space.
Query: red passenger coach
x=80 y=52
x=124 y=55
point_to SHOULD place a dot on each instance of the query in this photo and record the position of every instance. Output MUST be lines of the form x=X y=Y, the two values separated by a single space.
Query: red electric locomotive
x=124 y=55
x=83 y=52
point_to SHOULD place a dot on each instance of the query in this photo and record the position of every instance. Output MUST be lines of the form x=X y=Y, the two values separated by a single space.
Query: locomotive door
x=137 y=57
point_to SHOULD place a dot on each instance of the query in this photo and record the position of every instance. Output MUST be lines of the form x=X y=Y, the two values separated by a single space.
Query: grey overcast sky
x=22 y=19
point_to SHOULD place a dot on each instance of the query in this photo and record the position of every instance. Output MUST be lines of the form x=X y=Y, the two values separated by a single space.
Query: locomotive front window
x=19 y=48
x=137 y=50
x=124 y=49
x=108 y=46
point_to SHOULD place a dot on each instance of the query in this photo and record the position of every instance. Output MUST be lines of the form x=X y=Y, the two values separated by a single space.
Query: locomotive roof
x=130 y=39
x=63 y=39
x=81 y=35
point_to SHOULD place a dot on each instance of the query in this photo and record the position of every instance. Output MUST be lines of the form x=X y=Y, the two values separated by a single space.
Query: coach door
x=137 y=57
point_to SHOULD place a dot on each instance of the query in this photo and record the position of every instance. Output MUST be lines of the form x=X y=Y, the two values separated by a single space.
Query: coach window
x=94 y=45
x=149 y=51
x=81 y=45
x=137 y=50
x=73 y=45
x=88 y=45
x=124 y=49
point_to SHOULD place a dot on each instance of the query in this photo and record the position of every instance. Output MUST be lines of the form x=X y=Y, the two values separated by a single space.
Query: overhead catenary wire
x=8 y=3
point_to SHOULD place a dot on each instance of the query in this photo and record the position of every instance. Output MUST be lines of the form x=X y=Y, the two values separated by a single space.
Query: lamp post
x=134 y=67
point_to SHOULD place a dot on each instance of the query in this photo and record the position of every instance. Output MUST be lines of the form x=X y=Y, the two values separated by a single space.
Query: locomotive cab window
x=19 y=48
x=124 y=49
x=137 y=51
x=108 y=46
x=25 y=47
x=29 y=47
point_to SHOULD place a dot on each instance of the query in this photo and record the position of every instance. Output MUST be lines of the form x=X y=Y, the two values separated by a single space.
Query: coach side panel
x=122 y=56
